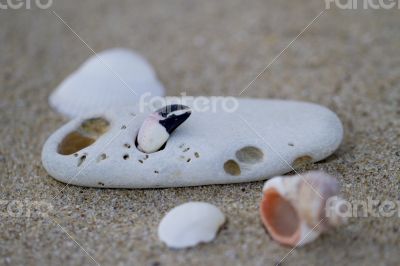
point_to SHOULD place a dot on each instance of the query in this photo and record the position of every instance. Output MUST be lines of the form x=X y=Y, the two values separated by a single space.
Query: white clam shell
x=113 y=78
x=211 y=147
x=190 y=224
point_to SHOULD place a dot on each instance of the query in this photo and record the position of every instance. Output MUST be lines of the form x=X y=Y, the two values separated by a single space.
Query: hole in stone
x=188 y=160
x=88 y=132
x=249 y=154
x=126 y=145
x=291 y=144
x=101 y=157
x=123 y=127
x=126 y=157
x=140 y=161
x=231 y=167
x=156 y=172
x=302 y=161
x=73 y=142
x=100 y=184
x=279 y=215
x=185 y=150
x=196 y=154
x=81 y=160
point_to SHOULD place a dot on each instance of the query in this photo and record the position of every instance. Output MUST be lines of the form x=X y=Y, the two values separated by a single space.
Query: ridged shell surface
x=110 y=79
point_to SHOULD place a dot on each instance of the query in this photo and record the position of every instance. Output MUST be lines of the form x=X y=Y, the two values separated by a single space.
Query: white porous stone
x=259 y=139
x=190 y=224
x=112 y=78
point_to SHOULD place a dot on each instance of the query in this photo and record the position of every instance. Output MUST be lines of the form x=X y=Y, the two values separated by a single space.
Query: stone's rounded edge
x=329 y=130
x=335 y=128
x=190 y=224
x=329 y=123
x=334 y=121
x=64 y=167
x=52 y=161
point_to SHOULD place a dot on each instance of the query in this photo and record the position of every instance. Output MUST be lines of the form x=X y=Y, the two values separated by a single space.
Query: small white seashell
x=113 y=78
x=190 y=224
x=158 y=126
x=211 y=147
x=297 y=209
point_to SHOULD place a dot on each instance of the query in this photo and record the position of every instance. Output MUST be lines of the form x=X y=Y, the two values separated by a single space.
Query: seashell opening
x=88 y=132
x=300 y=206
x=280 y=217
x=250 y=155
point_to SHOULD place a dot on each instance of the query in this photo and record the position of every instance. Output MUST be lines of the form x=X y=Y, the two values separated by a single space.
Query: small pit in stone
x=81 y=160
x=279 y=214
x=250 y=155
x=101 y=157
x=232 y=167
x=126 y=157
x=127 y=145
x=87 y=133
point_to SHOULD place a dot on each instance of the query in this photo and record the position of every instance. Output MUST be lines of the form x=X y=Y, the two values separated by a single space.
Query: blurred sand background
x=347 y=60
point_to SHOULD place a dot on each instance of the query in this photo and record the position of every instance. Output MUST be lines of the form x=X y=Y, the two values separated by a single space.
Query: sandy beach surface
x=347 y=60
